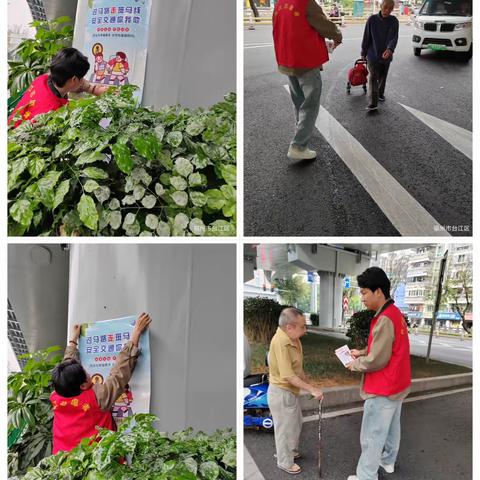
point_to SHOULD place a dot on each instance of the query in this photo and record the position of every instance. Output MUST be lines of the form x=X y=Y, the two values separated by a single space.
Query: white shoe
x=295 y=153
x=388 y=468
x=353 y=477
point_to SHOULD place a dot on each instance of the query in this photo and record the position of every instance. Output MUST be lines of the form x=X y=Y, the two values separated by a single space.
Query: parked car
x=444 y=25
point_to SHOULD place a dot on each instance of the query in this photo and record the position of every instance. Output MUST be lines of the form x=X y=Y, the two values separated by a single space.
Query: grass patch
x=325 y=370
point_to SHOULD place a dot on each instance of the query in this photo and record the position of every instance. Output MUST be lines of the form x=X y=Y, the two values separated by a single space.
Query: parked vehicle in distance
x=444 y=25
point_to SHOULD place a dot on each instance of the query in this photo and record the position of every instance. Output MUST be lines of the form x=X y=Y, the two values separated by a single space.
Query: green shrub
x=151 y=455
x=315 y=319
x=32 y=56
x=359 y=328
x=106 y=167
x=261 y=319
x=30 y=414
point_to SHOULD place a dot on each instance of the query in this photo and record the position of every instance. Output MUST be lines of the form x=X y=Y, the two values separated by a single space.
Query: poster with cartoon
x=116 y=41
x=99 y=345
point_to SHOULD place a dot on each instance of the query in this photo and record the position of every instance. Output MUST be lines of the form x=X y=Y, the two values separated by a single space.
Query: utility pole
x=437 y=302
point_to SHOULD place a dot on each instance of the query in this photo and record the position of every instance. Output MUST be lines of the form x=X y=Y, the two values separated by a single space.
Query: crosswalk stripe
x=401 y=209
x=458 y=137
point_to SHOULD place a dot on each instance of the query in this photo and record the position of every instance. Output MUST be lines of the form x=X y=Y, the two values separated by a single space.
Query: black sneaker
x=381 y=98
x=372 y=107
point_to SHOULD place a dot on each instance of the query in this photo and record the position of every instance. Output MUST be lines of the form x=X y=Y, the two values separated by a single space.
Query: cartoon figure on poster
x=99 y=345
x=116 y=32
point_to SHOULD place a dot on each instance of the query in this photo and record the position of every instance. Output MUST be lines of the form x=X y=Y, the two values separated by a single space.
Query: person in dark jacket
x=379 y=41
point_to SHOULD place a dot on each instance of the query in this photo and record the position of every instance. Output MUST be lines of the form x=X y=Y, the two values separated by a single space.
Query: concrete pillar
x=330 y=300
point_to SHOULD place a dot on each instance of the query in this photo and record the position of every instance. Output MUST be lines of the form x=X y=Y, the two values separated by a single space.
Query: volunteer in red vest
x=299 y=31
x=387 y=376
x=50 y=91
x=79 y=405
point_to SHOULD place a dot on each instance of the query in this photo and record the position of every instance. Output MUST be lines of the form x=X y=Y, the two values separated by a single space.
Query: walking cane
x=320 y=438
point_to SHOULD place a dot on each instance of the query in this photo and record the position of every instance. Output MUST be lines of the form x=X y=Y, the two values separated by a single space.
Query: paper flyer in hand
x=344 y=355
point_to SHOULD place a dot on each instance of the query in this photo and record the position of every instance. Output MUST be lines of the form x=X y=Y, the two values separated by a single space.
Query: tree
x=457 y=291
x=294 y=291
x=396 y=266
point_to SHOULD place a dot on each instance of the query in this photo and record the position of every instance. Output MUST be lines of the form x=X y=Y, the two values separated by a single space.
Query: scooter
x=256 y=414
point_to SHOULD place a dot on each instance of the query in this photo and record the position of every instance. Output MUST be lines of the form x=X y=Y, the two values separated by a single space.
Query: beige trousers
x=287 y=423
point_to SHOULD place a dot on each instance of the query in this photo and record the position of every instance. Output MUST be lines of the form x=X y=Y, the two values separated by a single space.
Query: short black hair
x=373 y=278
x=68 y=63
x=67 y=378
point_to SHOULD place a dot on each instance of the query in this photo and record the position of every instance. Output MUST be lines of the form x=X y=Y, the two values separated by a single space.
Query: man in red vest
x=50 y=91
x=299 y=31
x=385 y=364
x=79 y=405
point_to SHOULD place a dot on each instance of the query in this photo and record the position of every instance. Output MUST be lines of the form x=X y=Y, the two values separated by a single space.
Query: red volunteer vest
x=396 y=376
x=37 y=99
x=297 y=43
x=75 y=418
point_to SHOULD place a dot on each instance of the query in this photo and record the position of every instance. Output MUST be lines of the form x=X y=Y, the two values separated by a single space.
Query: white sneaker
x=353 y=477
x=295 y=153
x=388 y=468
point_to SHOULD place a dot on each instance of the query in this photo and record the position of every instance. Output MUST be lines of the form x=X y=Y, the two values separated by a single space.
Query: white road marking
x=349 y=411
x=458 y=137
x=401 y=209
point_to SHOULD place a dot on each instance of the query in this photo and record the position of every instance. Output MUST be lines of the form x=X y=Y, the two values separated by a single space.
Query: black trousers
x=378 y=79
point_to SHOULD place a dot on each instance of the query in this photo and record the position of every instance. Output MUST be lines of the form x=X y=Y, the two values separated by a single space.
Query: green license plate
x=433 y=46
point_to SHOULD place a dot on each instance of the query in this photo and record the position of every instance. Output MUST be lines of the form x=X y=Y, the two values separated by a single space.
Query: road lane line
x=401 y=209
x=458 y=137
x=350 y=411
x=251 y=470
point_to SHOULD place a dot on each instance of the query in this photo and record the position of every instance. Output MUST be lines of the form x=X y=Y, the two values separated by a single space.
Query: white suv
x=444 y=25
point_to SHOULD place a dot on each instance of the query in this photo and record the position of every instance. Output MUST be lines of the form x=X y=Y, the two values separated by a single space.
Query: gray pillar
x=38 y=292
x=330 y=300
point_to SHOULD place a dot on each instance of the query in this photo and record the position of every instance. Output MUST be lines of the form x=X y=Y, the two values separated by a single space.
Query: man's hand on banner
x=142 y=323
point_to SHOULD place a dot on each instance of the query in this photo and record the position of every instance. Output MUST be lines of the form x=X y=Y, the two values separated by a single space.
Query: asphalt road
x=436 y=444
x=323 y=197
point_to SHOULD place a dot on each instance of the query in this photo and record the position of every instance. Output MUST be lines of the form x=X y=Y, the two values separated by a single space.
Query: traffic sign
x=345 y=303
x=310 y=277
x=346 y=282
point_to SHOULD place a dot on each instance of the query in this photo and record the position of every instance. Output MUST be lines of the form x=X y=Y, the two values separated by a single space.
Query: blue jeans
x=305 y=91
x=380 y=435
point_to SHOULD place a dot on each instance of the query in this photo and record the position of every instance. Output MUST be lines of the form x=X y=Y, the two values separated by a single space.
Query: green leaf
x=183 y=167
x=87 y=212
x=221 y=228
x=129 y=200
x=138 y=192
x=229 y=192
x=159 y=132
x=163 y=229
x=195 y=179
x=114 y=204
x=151 y=221
x=90 y=156
x=132 y=230
x=95 y=173
x=129 y=219
x=60 y=193
x=209 y=470
x=147 y=145
x=22 y=212
x=180 y=198
x=174 y=138
x=159 y=190
x=180 y=221
x=149 y=201
x=229 y=173
x=197 y=227
x=36 y=166
x=115 y=219
x=123 y=157
x=17 y=168
x=90 y=186
x=195 y=126
x=45 y=188
x=178 y=183
x=198 y=199
x=102 y=193
x=215 y=199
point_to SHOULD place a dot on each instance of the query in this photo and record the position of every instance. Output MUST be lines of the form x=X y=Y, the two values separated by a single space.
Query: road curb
x=341 y=396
